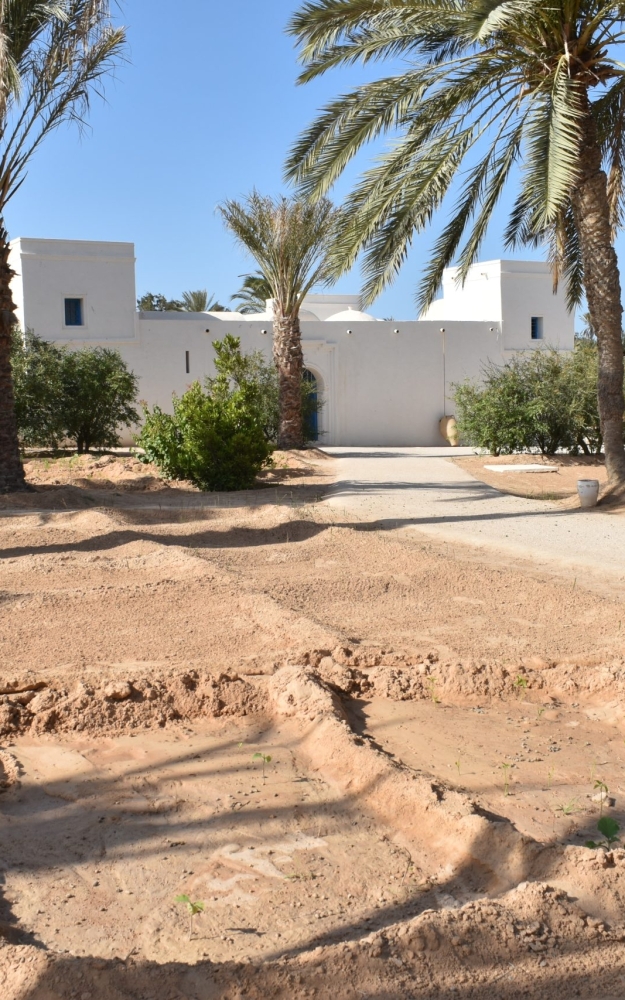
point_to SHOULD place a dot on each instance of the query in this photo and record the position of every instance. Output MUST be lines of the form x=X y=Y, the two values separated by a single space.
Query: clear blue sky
x=205 y=108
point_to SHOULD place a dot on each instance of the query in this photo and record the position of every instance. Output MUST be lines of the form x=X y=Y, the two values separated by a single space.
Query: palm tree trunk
x=11 y=470
x=603 y=291
x=289 y=360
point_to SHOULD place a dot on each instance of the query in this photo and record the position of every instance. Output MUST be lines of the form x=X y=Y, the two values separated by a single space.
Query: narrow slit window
x=74 y=312
x=537 y=328
x=187 y=362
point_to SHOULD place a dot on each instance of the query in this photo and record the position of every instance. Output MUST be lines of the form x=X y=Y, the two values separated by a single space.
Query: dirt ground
x=111 y=480
x=559 y=485
x=373 y=759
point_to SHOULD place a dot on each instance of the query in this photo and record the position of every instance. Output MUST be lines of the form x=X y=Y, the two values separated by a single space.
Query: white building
x=383 y=382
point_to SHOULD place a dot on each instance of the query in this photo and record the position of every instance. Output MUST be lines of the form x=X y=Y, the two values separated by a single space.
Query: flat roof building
x=383 y=382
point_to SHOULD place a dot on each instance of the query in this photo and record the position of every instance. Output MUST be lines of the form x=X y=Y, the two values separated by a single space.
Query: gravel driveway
x=421 y=488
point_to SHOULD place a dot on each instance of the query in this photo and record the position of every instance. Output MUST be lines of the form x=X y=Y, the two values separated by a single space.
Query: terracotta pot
x=449 y=430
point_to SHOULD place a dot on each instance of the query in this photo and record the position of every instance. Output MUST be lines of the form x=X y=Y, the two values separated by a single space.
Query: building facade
x=382 y=382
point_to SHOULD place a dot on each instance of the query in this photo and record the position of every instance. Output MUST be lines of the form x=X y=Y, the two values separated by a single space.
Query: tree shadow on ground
x=83 y=494
x=326 y=975
x=61 y=833
x=291 y=530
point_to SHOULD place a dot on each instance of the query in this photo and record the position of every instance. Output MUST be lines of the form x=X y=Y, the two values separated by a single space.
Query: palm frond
x=288 y=239
x=54 y=55
x=253 y=294
x=488 y=84
x=200 y=301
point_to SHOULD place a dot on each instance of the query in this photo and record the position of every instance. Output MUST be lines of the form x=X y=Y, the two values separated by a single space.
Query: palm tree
x=53 y=56
x=495 y=90
x=289 y=239
x=200 y=302
x=253 y=293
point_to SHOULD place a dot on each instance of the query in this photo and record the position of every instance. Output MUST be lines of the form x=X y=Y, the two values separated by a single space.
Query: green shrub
x=545 y=400
x=216 y=437
x=255 y=374
x=583 y=369
x=98 y=393
x=38 y=386
x=161 y=440
x=81 y=396
x=253 y=370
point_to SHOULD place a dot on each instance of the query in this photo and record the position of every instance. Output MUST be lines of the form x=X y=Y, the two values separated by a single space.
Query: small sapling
x=610 y=829
x=602 y=790
x=192 y=908
x=568 y=808
x=431 y=684
x=266 y=759
x=505 y=767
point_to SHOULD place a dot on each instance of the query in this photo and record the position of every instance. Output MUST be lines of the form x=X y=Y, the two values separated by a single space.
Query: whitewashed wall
x=380 y=387
x=384 y=383
x=102 y=274
x=508 y=292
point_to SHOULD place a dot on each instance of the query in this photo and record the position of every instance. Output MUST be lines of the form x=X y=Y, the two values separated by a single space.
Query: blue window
x=537 y=328
x=73 y=312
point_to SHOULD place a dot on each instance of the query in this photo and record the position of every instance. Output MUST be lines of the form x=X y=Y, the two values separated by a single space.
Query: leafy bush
x=98 y=393
x=545 y=401
x=216 y=437
x=254 y=370
x=254 y=373
x=38 y=385
x=583 y=372
x=81 y=396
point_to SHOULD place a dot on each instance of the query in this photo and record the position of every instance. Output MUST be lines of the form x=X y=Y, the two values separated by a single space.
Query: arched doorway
x=311 y=412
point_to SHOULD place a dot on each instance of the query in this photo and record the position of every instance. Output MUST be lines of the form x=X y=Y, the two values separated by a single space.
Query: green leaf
x=608 y=827
x=591 y=844
x=192 y=907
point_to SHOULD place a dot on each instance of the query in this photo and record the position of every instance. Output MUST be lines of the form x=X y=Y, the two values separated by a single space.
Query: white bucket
x=588 y=492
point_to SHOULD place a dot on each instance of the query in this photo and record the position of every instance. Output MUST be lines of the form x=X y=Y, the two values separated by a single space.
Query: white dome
x=256 y=317
x=351 y=316
x=305 y=315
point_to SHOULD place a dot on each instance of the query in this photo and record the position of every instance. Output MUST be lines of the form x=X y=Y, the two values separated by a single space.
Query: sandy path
x=145 y=657
x=421 y=488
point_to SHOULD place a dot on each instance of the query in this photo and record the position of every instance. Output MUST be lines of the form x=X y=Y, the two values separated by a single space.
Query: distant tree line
x=251 y=298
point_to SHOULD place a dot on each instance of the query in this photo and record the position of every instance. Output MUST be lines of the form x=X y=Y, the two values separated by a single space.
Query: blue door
x=311 y=416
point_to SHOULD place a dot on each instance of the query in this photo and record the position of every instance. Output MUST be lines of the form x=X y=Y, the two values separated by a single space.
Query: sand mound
x=80 y=700
x=502 y=910
x=425 y=676
x=9 y=771
x=295 y=691
x=95 y=706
